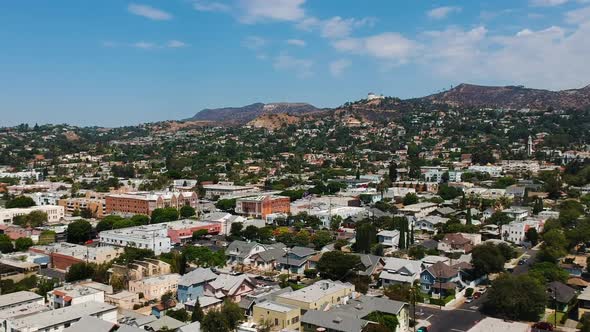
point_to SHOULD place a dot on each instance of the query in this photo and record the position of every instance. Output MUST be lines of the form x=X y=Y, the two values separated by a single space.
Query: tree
x=321 y=239
x=80 y=271
x=417 y=252
x=236 y=230
x=499 y=218
x=527 y=306
x=197 y=314
x=335 y=222
x=250 y=233
x=538 y=206
x=86 y=213
x=187 y=211
x=392 y=172
x=548 y=272
x=140 y=219
x=161 y=215
x=532 y=236
x=378 y=250
x=79 y=231
x=201 y=233
x=215 y=321
x=336 y=264
x=226 y=205
x=366 y=236
x=20 y=202
x=486 y=259
x=233 y=313
x=23 y=243
x=180 y=314
x=468 y=220
x=47 y=237
x=398 y=292
x=5 y=244
x=410 y=199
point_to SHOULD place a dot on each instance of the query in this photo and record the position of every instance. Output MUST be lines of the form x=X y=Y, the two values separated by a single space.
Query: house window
x=276 y=321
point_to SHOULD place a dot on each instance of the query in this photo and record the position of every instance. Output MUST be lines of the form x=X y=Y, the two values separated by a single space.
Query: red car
x=476 y=295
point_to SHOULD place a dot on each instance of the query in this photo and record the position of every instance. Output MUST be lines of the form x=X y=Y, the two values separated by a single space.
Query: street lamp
x=553 y=291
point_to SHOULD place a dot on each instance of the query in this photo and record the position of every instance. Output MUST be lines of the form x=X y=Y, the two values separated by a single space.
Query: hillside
x=245 y=114
x=512 y=97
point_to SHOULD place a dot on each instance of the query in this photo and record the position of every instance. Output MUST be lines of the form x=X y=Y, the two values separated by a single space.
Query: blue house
x=296 y=259
x=191 y=285
x=440 y=279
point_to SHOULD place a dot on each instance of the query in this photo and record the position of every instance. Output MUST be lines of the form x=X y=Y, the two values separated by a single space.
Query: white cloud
x=176 y=44
x=149 y=12
x=296 y=42
x=389 y=46
x=547 y=3
x=144 y=45
x=337 y=67
x=274 y=10
x=254 y=42
x=337 y=27
x=442 y=12
x=301 y=67
x=578 y=16
x=211 y=6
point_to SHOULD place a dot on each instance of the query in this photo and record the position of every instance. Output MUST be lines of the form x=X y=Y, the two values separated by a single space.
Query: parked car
x=482 y=290
x=476 y=295
x=523 y=261
x=468 y=299
x=544 y=326
x=422 y=329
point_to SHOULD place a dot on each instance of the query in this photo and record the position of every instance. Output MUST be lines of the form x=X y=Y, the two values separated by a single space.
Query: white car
x=468 y=299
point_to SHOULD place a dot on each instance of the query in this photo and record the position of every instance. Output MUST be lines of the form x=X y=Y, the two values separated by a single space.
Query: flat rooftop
x=59 y=316
x=316 y=291
x=18 y=297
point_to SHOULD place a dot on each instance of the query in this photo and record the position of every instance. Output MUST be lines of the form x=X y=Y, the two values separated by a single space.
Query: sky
x=116 y=62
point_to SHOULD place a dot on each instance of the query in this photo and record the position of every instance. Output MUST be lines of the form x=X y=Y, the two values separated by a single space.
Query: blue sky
x=114 y=62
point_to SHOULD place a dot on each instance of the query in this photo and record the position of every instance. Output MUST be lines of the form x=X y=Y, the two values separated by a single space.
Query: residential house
x=457 y=242
x=440 y=279
x=267 y=260
x=295 y=260
x=240 y=252
x=561 y=296
x=232 y=287
x=399 y=271
x=430 y=223
x=356 y=314
x=192 y=284
x=318 y=295
x=389 y=238
x=372 y=264
x=280 y=316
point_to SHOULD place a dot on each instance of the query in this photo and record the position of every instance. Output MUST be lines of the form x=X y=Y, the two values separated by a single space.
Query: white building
x=389 y=238
x=429 y=223
x=153 y=237
x=59 y=319
x=493 y=171
x=435 y=174
x=518 y=214
x=73 y=294
x=46 y=198
x=55 y=213
x=21 y=298
x=24 y=175
x=520 y=166
x=419 y=210
x=515 y=232
x=342 y=211
x=225 y=190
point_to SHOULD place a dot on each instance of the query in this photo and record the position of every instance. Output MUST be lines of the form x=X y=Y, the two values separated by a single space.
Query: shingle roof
x=333 y=321
x=564 y=293
x=197 y=276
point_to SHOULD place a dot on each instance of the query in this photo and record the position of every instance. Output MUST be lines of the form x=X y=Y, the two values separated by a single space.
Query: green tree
x=80 y=271
x=20 y=202
x=140 y=219
x=47 y=237
x=215 y=321
x=321 y=239
x=486 y=259
x=161 y=215
x=366 y=236
x=226 y=205
x=180 y=314
x=529 y=305
x=335 y=222
x=548 y=272
x=233 y=313
x=235 y=230
x=5 y=244
x=200 y=234
x=187 y=211
x=532 y=236
x=79 y=231
x=197 y=313
x=23 y=243
x=410 y=199
x=250 y=233
x=336 y=265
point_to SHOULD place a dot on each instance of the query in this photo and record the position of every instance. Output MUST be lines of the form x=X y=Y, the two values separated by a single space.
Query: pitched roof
x=270 y=255
x=197 y=276
x=333 y=321
x=229 y=283
x=302 y=251
x=441 y=270
x=563 y=292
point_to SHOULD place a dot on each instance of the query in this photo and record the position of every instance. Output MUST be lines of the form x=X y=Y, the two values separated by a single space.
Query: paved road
x=521 y=269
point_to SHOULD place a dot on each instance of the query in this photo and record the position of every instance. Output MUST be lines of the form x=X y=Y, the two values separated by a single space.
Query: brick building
x=145 y=203
x=261 y=206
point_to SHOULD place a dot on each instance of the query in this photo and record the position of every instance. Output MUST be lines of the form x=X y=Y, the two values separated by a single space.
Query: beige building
x=315 y=296
x=279 y=316
x=95 y=202
x=153 y=288
x=123 y=300
x=141 y=269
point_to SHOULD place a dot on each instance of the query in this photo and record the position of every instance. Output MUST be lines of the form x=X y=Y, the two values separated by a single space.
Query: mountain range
x=463 y=95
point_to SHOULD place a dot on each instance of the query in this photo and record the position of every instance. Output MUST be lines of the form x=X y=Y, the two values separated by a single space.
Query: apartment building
x=63 y=255
x=59 y=319
x=55 y=213
x=316 y=296
x=181 y=231
x=153 y=288
x=226 y=189
x=21 y=298
x=153 y=237
x=261 y=206
x=281 y=316
x=95 y=202
x=419 y=210
x=145 y=202
x=73 y=294
x=520 y=166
